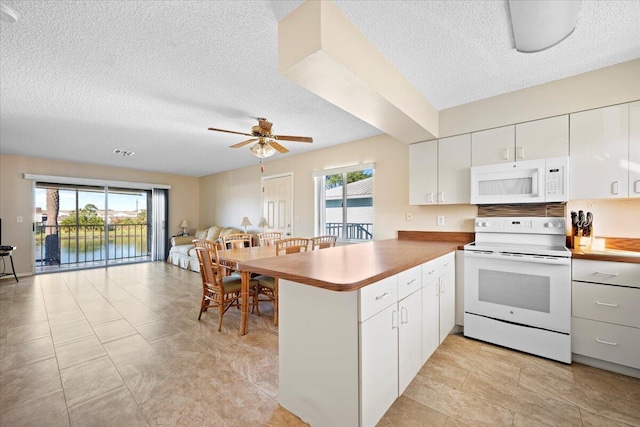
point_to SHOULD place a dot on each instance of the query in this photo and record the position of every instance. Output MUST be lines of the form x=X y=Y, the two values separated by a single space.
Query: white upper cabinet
x=493 y=146
x=454 y=165
x=599 y=154
x=423 y=173
x=539 y=139
x=542 y=139
x=634 y=149
x=439 y=171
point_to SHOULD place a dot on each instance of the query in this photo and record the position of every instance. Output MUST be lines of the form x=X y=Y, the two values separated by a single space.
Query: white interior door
x=277 y=203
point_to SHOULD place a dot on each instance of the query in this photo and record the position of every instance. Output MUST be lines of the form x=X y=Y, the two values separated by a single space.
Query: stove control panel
x=533 y=225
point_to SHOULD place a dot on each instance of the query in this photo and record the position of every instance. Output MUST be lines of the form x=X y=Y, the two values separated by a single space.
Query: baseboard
x=607 y=366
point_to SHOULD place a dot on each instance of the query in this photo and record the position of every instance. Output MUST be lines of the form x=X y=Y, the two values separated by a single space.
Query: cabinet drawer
x=446 y=263
x=607 y=272
x=378 y=296
x=409 y=281
x=612 y=304
x=613 y=343
x=430 y=271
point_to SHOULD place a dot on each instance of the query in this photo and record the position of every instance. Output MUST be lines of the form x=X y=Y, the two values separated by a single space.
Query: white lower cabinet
x=430 y=319
x=409 y=339
x=378 y=365
x=345 y=357
x=438 y=302
x=447 y=289
x=605 y=307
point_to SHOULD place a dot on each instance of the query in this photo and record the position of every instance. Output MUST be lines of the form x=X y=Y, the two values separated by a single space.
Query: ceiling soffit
x=322 y=51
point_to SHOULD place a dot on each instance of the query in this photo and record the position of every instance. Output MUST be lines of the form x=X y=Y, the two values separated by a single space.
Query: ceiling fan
x=265 y=142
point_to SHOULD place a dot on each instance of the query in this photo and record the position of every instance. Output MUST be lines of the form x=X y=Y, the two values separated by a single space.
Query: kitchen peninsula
x=356 y=324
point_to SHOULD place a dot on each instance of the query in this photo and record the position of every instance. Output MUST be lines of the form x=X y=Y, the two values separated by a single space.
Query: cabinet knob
x=520 y=152
x=505 y=154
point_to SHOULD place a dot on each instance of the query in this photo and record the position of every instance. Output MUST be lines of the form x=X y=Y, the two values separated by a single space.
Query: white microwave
x=531 y=181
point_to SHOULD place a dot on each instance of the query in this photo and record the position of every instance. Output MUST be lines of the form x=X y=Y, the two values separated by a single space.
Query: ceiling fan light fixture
x=262 y=150
x=540 y=24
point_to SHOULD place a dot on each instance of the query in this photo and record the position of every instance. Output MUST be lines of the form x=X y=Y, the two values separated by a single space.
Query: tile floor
x=122 y=346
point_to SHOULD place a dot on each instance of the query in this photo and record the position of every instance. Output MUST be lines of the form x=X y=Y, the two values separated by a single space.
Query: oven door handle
x=538 y=259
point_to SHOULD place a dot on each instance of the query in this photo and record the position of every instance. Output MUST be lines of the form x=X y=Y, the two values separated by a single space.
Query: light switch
x=409 y=216
x=20 y=219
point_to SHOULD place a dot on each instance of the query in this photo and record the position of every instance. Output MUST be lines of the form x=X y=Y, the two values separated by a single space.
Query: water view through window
x=87 y=226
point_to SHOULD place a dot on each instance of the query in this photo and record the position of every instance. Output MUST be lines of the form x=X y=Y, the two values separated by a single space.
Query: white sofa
x=182 y=253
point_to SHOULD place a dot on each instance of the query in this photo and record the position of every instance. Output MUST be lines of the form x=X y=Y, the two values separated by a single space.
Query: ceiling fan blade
x=265 y=125
x=230 y=131
x=293 y=138
x=278 y=147
x=243 y=143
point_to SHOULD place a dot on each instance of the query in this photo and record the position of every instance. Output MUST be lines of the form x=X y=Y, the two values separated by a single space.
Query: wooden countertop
x=613 y=255
x=350 y=267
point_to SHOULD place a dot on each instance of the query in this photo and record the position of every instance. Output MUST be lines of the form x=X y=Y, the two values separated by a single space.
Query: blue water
x=89 y=252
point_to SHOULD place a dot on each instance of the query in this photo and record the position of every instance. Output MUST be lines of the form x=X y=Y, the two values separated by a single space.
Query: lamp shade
x=245 y=221
x=263 y=222
x=262 y=150
x=184 y=224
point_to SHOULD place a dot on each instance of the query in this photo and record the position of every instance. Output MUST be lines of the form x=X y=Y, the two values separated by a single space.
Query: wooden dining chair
x=269 y=238
x=267 y=285
x=292 y=245
x=220 y=291
x=207 y=244
x=235 y=241
x=322 y=242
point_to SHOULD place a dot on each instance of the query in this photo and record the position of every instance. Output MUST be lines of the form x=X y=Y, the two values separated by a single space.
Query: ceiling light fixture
x=7 y=14
x=125 y=153
x=262 y=149
x=540 y=24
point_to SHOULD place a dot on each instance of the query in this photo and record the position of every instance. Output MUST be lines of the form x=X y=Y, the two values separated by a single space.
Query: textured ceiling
x=81 y=78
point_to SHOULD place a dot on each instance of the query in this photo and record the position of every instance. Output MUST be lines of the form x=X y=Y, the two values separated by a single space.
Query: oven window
x=515 y=290
x=506 y=187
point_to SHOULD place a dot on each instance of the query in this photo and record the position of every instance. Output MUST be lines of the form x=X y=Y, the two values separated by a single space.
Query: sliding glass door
x=81 y=227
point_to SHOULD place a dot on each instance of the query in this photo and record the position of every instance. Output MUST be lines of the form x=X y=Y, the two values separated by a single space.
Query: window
x=344 y=202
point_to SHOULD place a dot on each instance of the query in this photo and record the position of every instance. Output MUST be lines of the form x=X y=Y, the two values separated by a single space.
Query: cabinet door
x=541 y=139
x=423 y=173
x=409 y=340
x=599 y=153
x=447 y=285
x=430 y=319
x=634 y=149
x=493 y=146
x=378 y=364
x=454 y=163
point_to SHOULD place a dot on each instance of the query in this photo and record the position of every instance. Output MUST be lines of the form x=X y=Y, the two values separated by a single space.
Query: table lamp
x=245 y=222
x=184 y=225
x=263 y=223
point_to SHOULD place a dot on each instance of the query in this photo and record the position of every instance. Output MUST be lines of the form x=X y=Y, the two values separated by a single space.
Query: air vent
x=125 y=153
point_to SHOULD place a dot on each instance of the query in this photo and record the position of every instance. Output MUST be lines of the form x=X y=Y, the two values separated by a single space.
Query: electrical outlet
x=20 y=219
x=409 y=216
x=440 y=219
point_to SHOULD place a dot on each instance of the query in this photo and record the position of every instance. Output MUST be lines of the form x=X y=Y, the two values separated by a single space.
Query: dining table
x=232 y=259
